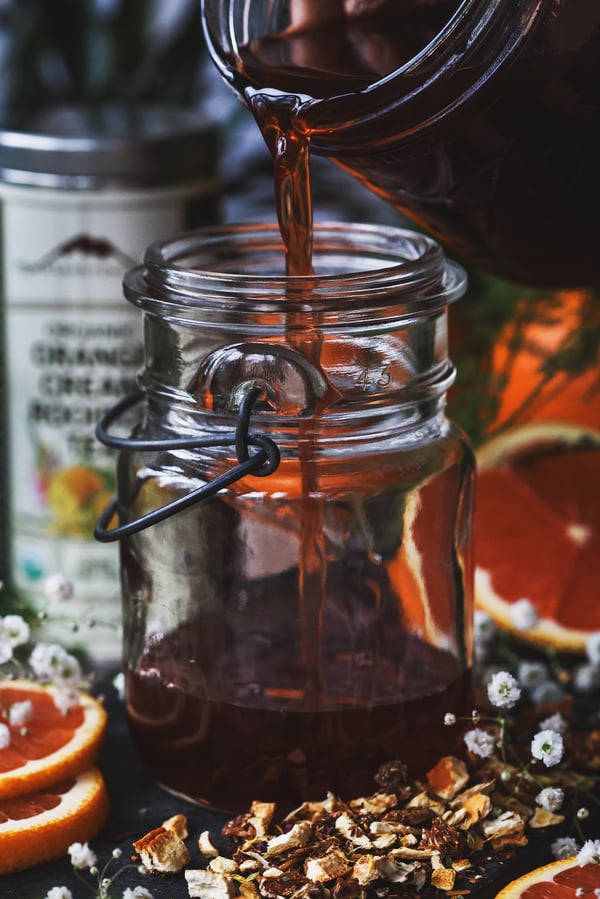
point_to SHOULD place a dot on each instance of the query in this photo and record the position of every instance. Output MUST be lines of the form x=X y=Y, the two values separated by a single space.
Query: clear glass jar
x=292 y=632
x=479 y=119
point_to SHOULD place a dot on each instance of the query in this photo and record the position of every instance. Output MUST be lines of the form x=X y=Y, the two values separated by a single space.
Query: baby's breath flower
x=503 y=690
x=59 y=893
x=119 y=685
x=82 y=856
x=4 y=736
x=58 y=588
x=524 y=615
x=586 y=678
x=583 y=813
x=15 y=629
x=485 y=628
x=546 y=693
x=19 y=713
x=67 y=698
x=564 y=847
x=449 y=719
x=554 y=722
x=550 y=798
x=117 y=853
x=589 y=854
x=52 y=662
x=6 y=650
x=592 y=648
x=480 y=743
x=475 y=716
x=532 y=674
x=137 y=893
x=547 y=746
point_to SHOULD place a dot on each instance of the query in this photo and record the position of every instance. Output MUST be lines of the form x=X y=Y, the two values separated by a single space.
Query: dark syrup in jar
x=255 y=733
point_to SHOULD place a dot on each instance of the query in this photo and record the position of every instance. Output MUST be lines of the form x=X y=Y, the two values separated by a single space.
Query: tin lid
x=92 y=146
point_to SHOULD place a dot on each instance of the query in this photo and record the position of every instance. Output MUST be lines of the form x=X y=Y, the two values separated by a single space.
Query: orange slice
x=558 y=880
x=537 y=531
x=545 y=329
x=40 y=826
x=51 y=745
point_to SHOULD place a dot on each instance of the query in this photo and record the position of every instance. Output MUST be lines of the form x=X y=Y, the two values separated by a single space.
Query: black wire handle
x=261 y=463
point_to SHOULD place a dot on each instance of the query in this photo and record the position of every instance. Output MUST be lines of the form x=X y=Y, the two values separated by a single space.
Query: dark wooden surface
x=138 y=805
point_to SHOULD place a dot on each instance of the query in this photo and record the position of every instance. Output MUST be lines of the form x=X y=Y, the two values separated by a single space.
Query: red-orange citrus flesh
x=558 y=880
x=537 y=531
x=51 y=745
x=40 y=826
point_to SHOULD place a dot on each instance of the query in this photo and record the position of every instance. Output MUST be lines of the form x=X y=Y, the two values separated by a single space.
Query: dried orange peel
x=51 y=745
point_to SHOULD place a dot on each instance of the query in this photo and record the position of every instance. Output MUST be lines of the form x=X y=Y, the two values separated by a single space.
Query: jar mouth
x=357 y=267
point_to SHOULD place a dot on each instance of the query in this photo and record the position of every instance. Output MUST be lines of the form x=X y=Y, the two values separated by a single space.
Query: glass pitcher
x=478 y=119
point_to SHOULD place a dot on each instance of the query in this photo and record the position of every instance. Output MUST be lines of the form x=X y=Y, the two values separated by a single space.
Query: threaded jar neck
x=361 y=338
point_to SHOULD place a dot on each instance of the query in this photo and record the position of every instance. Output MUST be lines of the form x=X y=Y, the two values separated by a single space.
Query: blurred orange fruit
x=546 y=361
x=537 y=531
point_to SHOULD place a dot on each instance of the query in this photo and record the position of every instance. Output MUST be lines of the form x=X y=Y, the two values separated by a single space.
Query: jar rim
x=212 y=266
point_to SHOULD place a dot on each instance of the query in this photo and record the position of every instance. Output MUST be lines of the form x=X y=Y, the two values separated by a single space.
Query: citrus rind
x=547 y=632
x=78 y=817
x=543 y=874
x=69 y=760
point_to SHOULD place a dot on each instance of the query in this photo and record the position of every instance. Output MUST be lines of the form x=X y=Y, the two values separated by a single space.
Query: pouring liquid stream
x=293 y=201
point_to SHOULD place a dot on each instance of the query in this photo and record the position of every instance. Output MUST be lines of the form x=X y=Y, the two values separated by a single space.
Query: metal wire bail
x=261 y=463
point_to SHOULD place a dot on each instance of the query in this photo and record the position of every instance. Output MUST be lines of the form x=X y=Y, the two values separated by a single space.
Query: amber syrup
x=273 y=745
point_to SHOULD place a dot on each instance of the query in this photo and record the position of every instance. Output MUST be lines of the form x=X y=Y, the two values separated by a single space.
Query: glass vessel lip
x=470 y=24
x=403 y=271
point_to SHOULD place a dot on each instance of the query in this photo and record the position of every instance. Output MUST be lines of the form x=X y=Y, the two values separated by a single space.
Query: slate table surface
x=138 y=805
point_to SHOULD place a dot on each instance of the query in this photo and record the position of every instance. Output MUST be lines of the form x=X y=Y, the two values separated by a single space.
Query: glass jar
x=479 y=119
x=293 y=631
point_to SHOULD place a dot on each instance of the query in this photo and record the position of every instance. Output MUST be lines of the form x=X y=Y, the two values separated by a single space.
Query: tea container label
x=72 y=347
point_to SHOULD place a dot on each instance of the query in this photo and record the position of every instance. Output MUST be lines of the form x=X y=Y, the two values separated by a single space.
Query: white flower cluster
x=567 y=847
x=524 y=615
x=548 y=747
x=51 y=663
x=83 y=857
x=586 y=678
x=503 y=690
x=128 y=893
x=484 y=633
x=14 y=631
x=589 y=854
x=480 y=743
x=550 y=798
x=48 y=662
